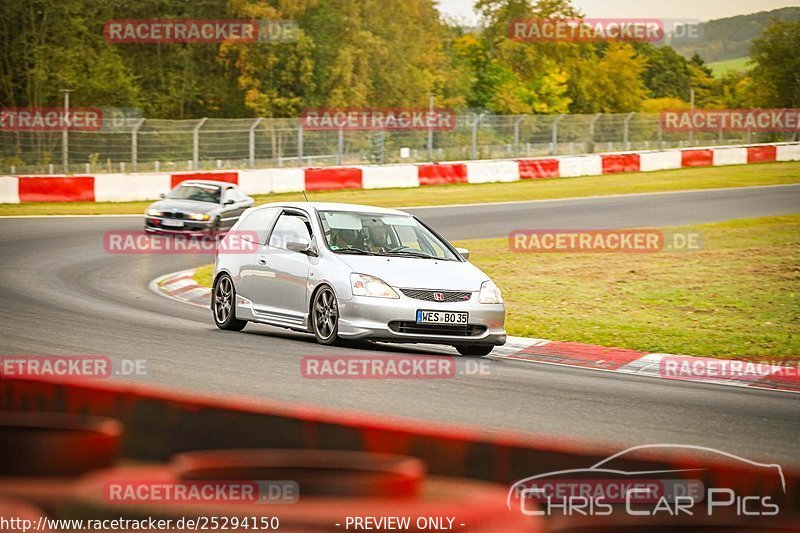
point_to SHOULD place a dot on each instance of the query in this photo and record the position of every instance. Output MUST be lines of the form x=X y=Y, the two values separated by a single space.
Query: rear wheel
x=474 y=350
x=223 y=305
x=325 y=316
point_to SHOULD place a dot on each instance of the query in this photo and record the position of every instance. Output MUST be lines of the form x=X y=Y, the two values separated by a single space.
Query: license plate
x=441 y=317
x=172 y=223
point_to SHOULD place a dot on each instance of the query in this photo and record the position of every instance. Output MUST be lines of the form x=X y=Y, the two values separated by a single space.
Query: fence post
x=196 y=143
x=430 y=130
x=300 y=145
x=625 y=131
x=135 y=144
x=340 y=151
x=554 y=139
x=591 y=128
x=478 y=119
x=65 y=133
x=516 y=133
x=252 y=142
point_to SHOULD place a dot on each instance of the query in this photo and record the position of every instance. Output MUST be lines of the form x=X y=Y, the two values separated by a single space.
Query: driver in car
x=347 y=238
x=378 y=238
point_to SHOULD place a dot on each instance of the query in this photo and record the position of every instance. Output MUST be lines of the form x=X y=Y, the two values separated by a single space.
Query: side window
x=227 y=195
x=290 y=226
x=257 y=224
x=238 y=195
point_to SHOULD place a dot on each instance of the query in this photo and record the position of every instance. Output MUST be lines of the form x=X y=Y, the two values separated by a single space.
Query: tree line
x=364 y=53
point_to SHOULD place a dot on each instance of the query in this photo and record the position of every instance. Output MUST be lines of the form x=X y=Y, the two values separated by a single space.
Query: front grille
x=428 y=295
x=454 y=330
x=170 y=214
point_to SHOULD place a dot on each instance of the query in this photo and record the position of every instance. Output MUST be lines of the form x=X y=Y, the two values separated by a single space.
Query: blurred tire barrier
x=40 y=453
x=161 y=424
x=318 y=472
x=56 y=444
x=11 y=509
x=332 y=487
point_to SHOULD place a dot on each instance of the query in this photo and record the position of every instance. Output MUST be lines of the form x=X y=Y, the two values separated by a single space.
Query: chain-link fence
x=166 y=145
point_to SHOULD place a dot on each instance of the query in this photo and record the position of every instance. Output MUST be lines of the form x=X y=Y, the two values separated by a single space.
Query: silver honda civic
x=343 y=271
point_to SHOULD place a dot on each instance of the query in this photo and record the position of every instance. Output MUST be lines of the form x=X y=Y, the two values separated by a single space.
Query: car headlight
x=490 y=293
x=364 y=285
x=153 y=212
x=199 y=216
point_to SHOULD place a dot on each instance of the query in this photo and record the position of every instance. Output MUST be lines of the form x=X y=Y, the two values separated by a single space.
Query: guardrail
x=148 y=186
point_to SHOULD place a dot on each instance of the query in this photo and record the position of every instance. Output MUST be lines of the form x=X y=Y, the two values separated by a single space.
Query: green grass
x=737 y=64
x=635 y=182
x=203 y=275
x=738 y=297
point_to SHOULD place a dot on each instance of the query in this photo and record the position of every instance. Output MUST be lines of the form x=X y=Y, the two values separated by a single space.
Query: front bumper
x=190 y=227
x=394 y=320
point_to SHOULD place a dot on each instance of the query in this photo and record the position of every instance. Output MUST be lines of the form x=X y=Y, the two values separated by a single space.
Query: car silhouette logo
x=438 y=296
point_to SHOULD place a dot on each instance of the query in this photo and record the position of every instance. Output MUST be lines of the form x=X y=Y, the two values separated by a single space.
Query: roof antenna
x=304 y=195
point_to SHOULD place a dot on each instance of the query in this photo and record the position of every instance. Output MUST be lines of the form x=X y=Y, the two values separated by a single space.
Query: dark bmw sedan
x=197 y=207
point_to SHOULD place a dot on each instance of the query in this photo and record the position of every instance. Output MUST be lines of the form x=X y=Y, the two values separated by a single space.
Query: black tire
x=223 y=305
x=325 y=316
x=474 y=350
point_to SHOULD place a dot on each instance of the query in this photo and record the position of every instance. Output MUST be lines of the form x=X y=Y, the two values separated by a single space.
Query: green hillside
x=729 y=38
x=737 y=64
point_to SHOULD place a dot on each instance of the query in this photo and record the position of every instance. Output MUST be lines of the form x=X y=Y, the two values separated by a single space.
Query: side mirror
x=302 y=246
x=162 y=195
x=464 y=252
x=229 y=202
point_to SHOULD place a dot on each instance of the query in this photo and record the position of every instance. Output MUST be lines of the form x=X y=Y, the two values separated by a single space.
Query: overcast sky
x=674 y=9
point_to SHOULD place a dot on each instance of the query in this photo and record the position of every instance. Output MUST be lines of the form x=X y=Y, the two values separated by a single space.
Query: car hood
x=183 y=206
x=411 y=272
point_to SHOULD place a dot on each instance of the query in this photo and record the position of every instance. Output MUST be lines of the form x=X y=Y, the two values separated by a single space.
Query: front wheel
x=325 y=316
x=474 y=350
x=223 y=305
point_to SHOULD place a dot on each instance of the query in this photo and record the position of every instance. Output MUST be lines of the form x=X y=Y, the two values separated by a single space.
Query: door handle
x=262 y=259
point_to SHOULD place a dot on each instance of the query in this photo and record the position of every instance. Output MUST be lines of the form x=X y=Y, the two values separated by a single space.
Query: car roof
x=208 y=182
x=335 y=206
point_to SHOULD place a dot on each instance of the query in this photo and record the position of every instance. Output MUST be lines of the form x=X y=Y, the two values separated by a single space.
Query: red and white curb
x=657 y=365
x=182 y=287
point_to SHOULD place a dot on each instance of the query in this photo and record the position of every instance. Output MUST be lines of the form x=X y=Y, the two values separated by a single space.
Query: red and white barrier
x=730 y=156
x=9 y=190
x=377 y=177
x=572 y=166
x=492 y=171
x=613 y=163
x=538 y=168
x=136 y=187
x=697 y=157
x=788 y=152
x=132 y=187
x=442 y=173
x=659 y=160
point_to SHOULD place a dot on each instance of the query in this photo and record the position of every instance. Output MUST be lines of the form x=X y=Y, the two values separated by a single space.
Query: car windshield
x=350 y=232
x=198 y=193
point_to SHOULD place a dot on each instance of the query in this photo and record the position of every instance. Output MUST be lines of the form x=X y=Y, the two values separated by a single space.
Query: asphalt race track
x=63 y=295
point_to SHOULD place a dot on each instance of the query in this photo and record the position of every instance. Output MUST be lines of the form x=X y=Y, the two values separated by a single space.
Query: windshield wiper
x=359 y=251
x=415 y=254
